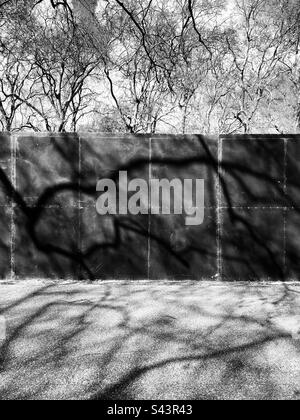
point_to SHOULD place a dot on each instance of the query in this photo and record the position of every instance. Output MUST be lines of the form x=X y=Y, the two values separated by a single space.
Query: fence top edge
x=258 y=136
x=113 y=136
x=107 y=135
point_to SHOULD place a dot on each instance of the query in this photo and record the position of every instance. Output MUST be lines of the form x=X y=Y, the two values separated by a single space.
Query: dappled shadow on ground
x=150 y=341
x=48 y=195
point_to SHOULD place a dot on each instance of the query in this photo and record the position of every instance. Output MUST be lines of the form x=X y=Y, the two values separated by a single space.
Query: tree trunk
x=184 y=119
x=298 y=115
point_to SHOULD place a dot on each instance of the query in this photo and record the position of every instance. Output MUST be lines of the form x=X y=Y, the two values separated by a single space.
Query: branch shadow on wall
x=252 y=211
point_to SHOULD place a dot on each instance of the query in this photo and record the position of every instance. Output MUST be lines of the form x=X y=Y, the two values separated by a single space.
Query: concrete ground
x=150 y=341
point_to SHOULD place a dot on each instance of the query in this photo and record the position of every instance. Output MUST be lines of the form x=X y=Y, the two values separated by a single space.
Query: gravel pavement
x=148 y=340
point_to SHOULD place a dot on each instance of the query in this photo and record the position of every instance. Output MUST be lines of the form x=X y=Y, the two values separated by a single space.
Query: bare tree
x=253 y=63
x=155 y=65
x=159 y=58
x=137 y=77
x=288 y=18
x=62 y=62
x=14 y=93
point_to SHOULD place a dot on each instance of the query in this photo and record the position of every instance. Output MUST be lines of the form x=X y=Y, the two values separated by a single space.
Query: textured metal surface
x=50 y=227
